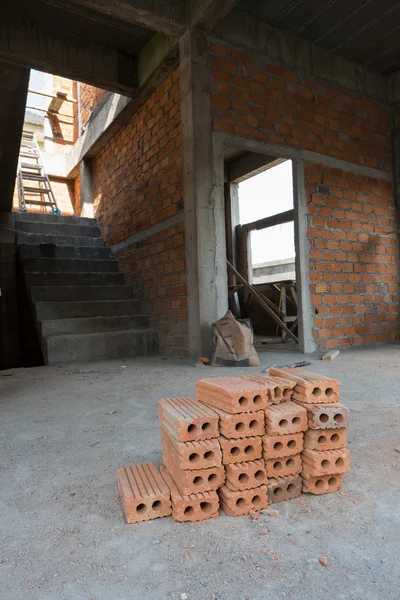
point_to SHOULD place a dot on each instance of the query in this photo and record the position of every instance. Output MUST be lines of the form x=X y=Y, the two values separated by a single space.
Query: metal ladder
x=31 y=169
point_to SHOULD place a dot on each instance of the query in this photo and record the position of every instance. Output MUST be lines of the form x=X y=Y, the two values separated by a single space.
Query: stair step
x=95 y=308
x=51 y=327
x=99 y=346
x=33 y=239
x=70 y=265
x=48 y=218
x=46 y=250
x=55 y=228
x=67 y=293
x=65 y=278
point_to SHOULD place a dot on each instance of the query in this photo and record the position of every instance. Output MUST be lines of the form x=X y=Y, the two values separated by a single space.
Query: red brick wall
x=62 y=123
x=137 y=184
x=89 y=97
x=353 y=265
x=268 y=103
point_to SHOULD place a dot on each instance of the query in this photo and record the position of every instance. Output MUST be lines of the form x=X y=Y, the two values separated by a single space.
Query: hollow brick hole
x=141 y=508
x=253 y=424
x=209 y=455
x=278 y=446
x=189 y=510
x=257 y=400
x=332 y=481
x=296 y=421
x=290 y=488
x=325 y=463
x=329 y=392
x=321 y=439
x=334 y=437
x=249 y=450
x=283 y=423
x=235 y=451
x=206 y=427
x=317 y=392
x=205 y=507
x=339 y=462
x=242 y=401
x=278 y=491
x=212 y=478
x=243 y=478
x=278 y=393
x=197 y=480
x=277 y=465
x=240 y=502
x=157 y=505
x=192 y=428
x=323 y=417
x=239 y=426
x=259 y=475
x=291 y=444
x=290 y=462
x=338 y=418
x=319 y=484
x=256 y=500
x=194 y=457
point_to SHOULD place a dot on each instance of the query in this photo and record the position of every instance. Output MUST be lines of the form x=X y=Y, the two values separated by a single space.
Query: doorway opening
x=261 y=216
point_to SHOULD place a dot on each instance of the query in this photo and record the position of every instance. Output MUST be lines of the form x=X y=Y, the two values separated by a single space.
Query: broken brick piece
x=325 y=439
x=232 y=394
x=310 y=387
x=245 y=475
x=281 y=467
x=144 y=493
x=189 y=481
x=242 y=450
x=242 y=502
x=326 y=416
x=285 y=418
x=241 y=425
x=276 y=446
x=278 y=389
x=202 y=454
x=321 y=484
x=284 y=488
x=195 y=507
x=187 y=419
x=326 y=462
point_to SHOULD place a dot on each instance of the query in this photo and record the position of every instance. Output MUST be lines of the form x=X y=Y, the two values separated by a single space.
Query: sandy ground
x=66 y=429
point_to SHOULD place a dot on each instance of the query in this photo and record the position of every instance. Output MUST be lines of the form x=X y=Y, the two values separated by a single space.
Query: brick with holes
x=188 y=420
x=276 y=446
x=285 y=418
x=144 y=493
x=284 y=488
x=326 y=416
x=190 y=481
x=245 y=475
x=241 y=425
x=325 y=439
x=310 y=387
x=326 y=462
x=202 y=454
x=242 y=502
x=278 y=389
x=242 y=450
x=321 y=484
x=232 y=394
x=195 y=507
x=281 y=467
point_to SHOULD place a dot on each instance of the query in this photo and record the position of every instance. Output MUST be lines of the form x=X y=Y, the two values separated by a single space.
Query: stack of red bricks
x=241 y=445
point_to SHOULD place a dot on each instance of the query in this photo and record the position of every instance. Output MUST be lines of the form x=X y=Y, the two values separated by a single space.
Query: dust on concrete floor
x=66 y=429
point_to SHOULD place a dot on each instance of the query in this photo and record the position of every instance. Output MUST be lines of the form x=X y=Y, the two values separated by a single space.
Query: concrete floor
x=66 y=429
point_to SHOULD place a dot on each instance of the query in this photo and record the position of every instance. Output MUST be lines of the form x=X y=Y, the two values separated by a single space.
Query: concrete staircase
x=83 y=309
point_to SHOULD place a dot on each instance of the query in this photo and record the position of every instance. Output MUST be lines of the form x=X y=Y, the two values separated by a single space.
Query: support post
x=86 y=187
x=203 y=198
x=13 y=91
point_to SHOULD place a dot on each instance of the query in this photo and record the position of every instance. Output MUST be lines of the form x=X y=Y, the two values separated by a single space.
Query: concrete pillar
x=86 y=187
x=203 y=198
x=13 y=91
x=9 y=331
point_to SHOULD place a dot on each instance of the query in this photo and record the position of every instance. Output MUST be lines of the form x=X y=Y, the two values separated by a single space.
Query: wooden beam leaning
x=262 y=302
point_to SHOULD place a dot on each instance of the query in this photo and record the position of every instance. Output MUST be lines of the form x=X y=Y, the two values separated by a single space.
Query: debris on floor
x=242 y=444
x=233 y=343
x=331 y=355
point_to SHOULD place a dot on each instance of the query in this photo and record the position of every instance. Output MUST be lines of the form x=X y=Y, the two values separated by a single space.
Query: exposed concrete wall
x=9 y=330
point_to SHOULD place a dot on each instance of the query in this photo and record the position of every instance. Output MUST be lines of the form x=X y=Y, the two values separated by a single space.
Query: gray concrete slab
x=66 y=429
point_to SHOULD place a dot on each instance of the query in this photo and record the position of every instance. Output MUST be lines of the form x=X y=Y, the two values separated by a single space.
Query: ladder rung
x=37 y=202
x=32 y=190
x=29 y=154
x=32 y=176
x=29 y=166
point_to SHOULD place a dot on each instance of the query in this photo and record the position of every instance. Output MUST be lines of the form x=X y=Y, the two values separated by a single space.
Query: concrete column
x=86 y=187
x=203 y=198
x=13 y=91
x=9 y=331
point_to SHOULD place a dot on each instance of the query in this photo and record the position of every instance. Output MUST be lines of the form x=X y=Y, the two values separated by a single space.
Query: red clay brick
x=281 y=467
x=241 y=425
x=196 y=507
x=284 y=488
x=327 y=462
x=321 y=484
x=279 y=389
x=285 y=418
x=202 y=454
x=242 y=450
x=188 y=420
x=326 y=416
x=242 y=502
x=310 y=387
x=245 y=475
x=197 y=481
x=144 y=493
x=325 y=439
x=277 y=446
x=232 y=394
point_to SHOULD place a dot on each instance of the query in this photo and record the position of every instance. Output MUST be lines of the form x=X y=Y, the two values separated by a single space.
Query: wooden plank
x=330 y=355
x=279 y=219
x=39 y=93
x=261 y=301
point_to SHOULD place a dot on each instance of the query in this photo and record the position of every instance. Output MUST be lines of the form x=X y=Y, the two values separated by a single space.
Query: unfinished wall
x=139 y=206
x=89 y=97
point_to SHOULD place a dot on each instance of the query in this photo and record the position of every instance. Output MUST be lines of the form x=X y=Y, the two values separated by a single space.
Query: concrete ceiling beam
x=206 y=14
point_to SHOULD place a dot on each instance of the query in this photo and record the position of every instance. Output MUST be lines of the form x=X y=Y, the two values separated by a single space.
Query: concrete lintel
x=242 y=29
x=250 y=164
x=206 y=14
x=164 y=16
x=156 y=61
x=46 y=47
x=230 y=140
